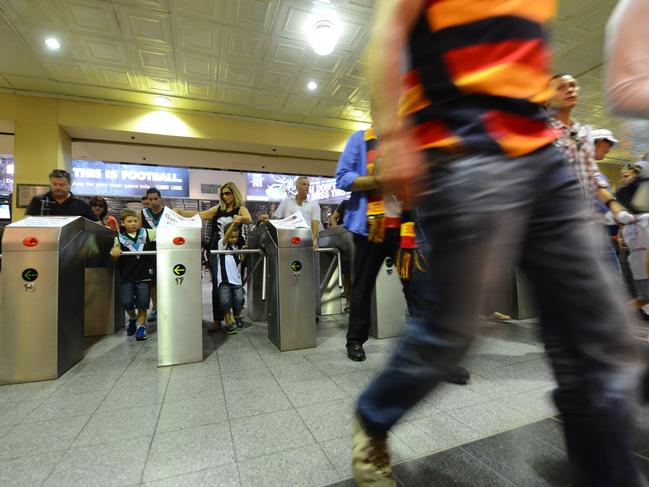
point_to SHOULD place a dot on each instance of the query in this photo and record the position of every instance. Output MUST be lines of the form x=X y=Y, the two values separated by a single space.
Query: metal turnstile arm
x=139 y=252
x=248 y=251
x=338 y=260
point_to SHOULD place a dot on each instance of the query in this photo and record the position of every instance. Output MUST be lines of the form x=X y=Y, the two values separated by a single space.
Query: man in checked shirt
x=576 y=142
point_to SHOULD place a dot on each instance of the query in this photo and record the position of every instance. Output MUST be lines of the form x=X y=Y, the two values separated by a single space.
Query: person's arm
x=626 y=77
x=334 y=218
x=315 y=223
x=116 y=251
x=34 y=208
x=279 y=211
x=231 y=229
x=348 y=177
x=245 y=216
x=204 y=215
x=401 y=163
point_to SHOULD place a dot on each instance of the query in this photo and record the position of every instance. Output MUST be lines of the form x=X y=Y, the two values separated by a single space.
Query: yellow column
x=40 y=145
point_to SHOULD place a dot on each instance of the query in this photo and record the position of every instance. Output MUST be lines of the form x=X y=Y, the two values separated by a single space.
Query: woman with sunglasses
x=99 y=207
x=229 y=209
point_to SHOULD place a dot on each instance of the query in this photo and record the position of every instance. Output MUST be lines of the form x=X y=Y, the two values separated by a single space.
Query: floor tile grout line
x=499 y=474
x=227 y=412
x=69 y=448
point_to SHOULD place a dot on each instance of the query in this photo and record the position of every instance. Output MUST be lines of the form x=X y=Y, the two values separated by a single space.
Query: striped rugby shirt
x=479 y=74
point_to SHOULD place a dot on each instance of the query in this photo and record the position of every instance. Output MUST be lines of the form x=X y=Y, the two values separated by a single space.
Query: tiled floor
x=249 y=415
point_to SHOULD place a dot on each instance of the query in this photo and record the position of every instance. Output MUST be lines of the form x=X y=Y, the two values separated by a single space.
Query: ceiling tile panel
x=74 y=72
x=198 y=66
x=159 y=84
x=277 y=81
x=198 y=36
x=236 y=74
x=145 y=26
x=292 y=20
x=155 y=5
x=106 y=51
x=236 y=96
x=265 y=100
x=286 y=53
x=43 y=12
x=203 y=9
x=97 y=18
x=196 y=89
x=329 y=108
x=155 y=60
x=118 y=78
x=256 y=15
x=301 y=103
x=241 y=45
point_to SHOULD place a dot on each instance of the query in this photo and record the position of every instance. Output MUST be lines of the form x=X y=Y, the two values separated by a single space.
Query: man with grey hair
x=310 y=209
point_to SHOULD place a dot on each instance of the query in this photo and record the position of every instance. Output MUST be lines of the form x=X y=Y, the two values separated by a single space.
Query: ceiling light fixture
x=323 y=29
x=52 y=43
x=312 y=85
x=163 y=101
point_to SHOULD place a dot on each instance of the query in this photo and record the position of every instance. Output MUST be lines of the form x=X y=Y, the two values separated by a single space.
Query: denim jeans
x=479 y=213
x=230 y=297
x=135 y=295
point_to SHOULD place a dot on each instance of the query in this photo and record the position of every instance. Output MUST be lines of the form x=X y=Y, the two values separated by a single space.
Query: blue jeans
x=231 y=297
x=135 y=295
x=478 y=213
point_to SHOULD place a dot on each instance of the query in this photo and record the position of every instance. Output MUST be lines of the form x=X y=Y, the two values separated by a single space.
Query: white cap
x=604 y=134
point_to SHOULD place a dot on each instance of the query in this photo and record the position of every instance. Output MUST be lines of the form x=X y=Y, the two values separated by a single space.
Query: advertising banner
x=114 y=179
x=277 y=187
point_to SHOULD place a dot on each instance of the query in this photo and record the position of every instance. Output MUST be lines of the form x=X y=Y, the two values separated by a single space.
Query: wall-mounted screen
x=5 y=211
x=115 y=179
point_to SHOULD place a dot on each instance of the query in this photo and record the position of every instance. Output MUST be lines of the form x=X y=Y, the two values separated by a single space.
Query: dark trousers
x=217 y=312
x=477 y=213
x=368 y=258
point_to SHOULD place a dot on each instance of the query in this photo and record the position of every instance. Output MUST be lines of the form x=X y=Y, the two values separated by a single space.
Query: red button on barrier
x=30 y=241
x=178 y=241
x=296 y=240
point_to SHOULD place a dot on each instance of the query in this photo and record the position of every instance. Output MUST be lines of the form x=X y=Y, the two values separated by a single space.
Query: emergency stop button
x=30 y=241
x=296 y=240
x=178 y=241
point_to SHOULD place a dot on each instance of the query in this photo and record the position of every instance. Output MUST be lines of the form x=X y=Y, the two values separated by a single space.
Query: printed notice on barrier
x=170 y=218
x=291 y=222
x=44 y=221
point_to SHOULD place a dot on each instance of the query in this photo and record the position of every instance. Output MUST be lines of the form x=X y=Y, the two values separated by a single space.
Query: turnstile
x=103 y=314
x=330 y=293
x=178 y=281
x=256 y=302
x=291 y=293
x=42 y=279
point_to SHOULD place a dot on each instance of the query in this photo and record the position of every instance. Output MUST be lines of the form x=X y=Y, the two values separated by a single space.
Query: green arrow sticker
x=179 y=270
x=389 y=262
x=30 y=275
x=296 y=265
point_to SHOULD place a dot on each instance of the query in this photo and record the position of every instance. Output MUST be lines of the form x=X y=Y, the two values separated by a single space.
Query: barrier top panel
x=44 y=221
x=328 y=232
x=178 y=238
x=287 y=237
x=34 y=234
x=170 y=218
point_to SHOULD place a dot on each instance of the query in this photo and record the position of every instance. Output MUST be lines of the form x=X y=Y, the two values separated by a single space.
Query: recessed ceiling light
x=163 y=101
x=312 y=85
x=52 y=43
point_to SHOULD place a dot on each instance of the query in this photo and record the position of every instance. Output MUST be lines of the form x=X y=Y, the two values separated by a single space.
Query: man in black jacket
x=59 y=201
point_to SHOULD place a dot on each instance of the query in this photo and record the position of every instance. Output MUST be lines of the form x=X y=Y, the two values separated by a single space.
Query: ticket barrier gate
x=102 y=311
x=330 y=268
x=291 y=293
x=256 y=278
x=389 y=308
x=42 y=279
x=178 y=285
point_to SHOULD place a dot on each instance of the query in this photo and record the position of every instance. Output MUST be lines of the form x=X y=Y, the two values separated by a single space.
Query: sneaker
x=214 y=326
x=239 y=323
x=230 y=329
x=153 y=316
x=370 y=459
x=130 y=331
x=140 y=333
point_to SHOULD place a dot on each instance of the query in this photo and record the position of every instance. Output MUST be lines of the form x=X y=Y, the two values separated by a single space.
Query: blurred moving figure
x=475 y=155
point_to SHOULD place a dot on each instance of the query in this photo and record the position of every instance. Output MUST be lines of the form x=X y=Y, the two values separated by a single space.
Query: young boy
x=135 y=272
x=229 y=282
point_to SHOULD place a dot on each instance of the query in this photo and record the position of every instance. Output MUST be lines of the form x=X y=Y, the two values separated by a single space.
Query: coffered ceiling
x=246 y=58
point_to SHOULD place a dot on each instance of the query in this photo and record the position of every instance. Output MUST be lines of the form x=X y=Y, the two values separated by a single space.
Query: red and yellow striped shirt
x=479 y=75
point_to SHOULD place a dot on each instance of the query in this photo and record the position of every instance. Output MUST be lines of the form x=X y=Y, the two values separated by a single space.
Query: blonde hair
x=238 y=200
x=126 y=212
